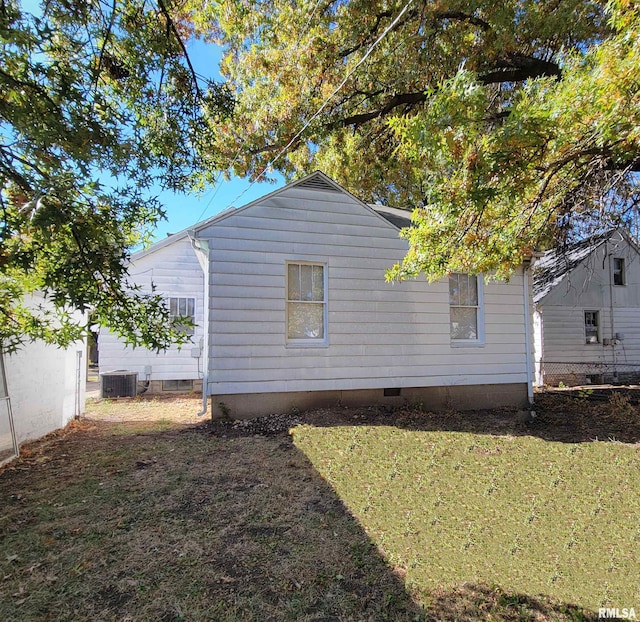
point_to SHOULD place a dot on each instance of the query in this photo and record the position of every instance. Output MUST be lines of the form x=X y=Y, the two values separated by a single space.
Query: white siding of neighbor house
x=588 y=287
x=380 y=335
x=174 y=271
x=46 y=386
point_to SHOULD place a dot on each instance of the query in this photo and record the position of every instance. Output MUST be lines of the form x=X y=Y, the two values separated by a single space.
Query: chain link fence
x=573 y=374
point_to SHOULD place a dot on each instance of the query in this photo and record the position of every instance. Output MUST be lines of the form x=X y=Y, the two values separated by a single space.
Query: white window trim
x=584 y=323
x=307 y=343
x=623 y=271
x=195 y=309
x=480 y=341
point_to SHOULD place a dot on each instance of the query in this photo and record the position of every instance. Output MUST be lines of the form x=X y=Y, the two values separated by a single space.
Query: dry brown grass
x=110 y=522
x=182 y=408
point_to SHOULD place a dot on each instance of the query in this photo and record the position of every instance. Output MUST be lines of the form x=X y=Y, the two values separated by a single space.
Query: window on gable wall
x=465 y=308
x=618 y=271
x=183 y=308
x=306 y=302
x=592 y=326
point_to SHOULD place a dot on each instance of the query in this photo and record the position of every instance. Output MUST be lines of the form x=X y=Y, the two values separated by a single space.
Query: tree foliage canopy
x=98 y=101
x=507 y=125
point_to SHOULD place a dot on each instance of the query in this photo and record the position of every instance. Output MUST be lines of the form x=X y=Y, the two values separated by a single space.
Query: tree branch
x=463 y=17
x=401 y=99
x=176 y=34
x=518 y=68
x=372 y=32
x=103 y=47
x=515 y=69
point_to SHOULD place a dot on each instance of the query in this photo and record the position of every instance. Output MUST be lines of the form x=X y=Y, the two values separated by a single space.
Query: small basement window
x=177 y=385
x=392 y=392
x=592 y=326
x=618 y=271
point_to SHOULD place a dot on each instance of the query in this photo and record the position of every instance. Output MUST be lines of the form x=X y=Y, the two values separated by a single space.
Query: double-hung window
x=465 y=309
x=183 y=308
x=618 y=271
x=306 y=303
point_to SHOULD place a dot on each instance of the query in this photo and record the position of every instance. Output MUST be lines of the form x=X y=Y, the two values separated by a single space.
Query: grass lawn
x=354 y=515
x=531 y=516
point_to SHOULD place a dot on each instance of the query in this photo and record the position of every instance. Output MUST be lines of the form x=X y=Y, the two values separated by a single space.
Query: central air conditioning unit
x=119 y=383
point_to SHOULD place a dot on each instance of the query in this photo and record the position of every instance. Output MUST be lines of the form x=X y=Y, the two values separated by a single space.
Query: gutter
x=527 y=333
x=609 y=260
x=201 y=248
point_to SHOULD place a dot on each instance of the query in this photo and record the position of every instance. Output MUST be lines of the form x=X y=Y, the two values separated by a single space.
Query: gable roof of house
x=315 y=181
x=554 y=265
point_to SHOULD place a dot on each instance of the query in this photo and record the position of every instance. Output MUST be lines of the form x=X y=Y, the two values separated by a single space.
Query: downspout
x=201 y=249
x=527 y=333
x=609 y=260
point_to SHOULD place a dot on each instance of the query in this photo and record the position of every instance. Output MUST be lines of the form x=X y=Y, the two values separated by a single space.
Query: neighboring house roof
x=400 y=218
x=554 y=265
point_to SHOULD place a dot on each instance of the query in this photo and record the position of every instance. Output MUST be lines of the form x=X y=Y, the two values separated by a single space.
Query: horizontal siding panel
x=253 y=356
x=282 y=250
x=503 y=310
x=233 y=388
x=255 y=262
x=340 y=269
x=337 y=319
x=242 y=298
x=247 y=227
x=329 y=204
x=256 y=239
x=286 y=216
x=259 y=286
x=336 y=373
x=347 y=339
x=393 y=337
x=295 y=361
x=494 y=321
x=386 y=338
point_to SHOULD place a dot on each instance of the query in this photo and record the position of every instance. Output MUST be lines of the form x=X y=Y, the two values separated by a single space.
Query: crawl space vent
x=317 y=183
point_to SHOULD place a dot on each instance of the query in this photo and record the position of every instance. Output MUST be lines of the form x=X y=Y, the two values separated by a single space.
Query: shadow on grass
x=179 y=525
x=470 y=602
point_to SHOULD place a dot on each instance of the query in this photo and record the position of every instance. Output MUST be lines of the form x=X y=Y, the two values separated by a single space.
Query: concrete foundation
x=468 y=397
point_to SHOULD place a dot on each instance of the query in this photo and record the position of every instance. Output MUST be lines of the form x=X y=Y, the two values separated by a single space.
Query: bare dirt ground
x=577 y=415
x=180 y=409
x=567 y=415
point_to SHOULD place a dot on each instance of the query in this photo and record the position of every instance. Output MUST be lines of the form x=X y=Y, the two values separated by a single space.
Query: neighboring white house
x=172 y=268
x=298 y=312
x=587 y=311
x=45 y=389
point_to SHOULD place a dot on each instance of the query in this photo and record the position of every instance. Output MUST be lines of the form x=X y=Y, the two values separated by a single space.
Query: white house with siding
x=174 y=268
x=298 y=313
x=587 y=311
x=42 y=386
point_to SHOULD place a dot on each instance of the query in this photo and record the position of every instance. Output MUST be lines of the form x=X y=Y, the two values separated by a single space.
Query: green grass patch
x=528 y=515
